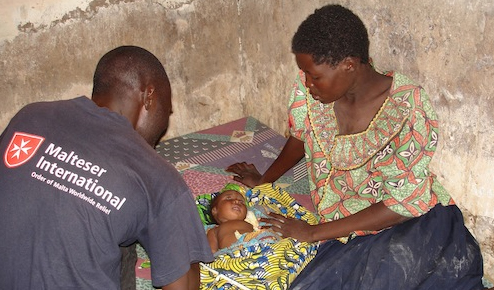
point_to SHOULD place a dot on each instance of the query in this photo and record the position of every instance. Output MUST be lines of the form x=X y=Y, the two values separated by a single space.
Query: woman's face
x=326 y=83
x=230 y=206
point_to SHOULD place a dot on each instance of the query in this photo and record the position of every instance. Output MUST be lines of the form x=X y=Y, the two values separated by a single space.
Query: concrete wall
x=230 y=58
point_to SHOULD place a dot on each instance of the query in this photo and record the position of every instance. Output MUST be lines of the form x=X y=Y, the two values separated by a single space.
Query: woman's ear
x=349 y=63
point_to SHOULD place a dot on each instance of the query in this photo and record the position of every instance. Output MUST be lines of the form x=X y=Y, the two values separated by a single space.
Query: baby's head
x=229 y=204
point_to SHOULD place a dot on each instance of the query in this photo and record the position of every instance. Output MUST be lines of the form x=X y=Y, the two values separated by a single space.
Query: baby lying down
x=234 y=223
x=247 y=256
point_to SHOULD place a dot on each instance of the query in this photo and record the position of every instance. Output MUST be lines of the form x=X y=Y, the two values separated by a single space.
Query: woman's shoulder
x=402 y=82
x=408 y=96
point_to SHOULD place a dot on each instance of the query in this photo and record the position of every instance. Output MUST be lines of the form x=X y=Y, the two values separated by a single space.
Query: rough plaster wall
x=231 y=58
x=449 y=51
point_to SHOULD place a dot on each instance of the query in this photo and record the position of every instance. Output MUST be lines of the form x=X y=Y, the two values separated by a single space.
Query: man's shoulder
x=58 y=103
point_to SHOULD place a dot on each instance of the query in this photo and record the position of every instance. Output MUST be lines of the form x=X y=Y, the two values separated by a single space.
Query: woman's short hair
x=330 y=34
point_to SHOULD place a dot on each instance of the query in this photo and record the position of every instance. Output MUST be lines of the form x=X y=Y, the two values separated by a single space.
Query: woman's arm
x=374 y=218
x=290 y=155
x=247 y=174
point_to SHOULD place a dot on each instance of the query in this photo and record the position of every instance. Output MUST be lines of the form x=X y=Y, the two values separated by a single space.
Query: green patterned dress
x=388 y=162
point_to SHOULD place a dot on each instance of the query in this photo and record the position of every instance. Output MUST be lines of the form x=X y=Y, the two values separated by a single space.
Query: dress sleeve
x=297 y=108
x=404 y=162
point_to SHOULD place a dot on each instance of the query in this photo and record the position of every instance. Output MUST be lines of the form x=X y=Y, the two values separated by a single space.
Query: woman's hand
x=291 y=154
x=245 y=173
x=289 y=227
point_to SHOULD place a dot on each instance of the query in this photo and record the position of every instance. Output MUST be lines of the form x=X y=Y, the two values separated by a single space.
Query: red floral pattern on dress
x=388 y=162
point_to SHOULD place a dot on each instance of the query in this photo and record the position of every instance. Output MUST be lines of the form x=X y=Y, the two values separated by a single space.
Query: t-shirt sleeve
x=175 y=237
x=405 y=169
x=297 y=108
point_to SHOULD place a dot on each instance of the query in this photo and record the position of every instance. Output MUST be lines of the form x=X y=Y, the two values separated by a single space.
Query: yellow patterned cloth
x=257 y=264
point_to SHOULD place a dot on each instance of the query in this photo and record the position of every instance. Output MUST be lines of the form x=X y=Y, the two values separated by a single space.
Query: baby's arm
x=225 y=235
x=212 y=235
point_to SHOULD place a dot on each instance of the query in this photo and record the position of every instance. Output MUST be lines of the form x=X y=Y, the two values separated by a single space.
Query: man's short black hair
x=330 y=34
x=126 y=67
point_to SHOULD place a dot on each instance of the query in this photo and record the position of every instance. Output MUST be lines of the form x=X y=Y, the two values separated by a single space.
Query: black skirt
x=434 y=251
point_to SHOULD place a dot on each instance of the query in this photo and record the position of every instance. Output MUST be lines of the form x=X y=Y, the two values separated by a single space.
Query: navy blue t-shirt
x=76 y=182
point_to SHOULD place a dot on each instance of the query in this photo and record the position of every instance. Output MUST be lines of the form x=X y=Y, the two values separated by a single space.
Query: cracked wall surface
x=231 y=58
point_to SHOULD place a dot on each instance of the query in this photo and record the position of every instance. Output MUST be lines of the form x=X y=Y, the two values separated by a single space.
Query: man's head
x=132 y=82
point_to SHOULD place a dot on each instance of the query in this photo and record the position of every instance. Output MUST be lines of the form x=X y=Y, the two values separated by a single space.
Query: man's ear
x=148 y=96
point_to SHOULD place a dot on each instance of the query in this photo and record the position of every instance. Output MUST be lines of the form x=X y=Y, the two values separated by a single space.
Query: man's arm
x=189 y=281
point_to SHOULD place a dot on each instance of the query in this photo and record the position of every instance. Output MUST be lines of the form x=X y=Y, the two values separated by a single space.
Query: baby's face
x=230 y=206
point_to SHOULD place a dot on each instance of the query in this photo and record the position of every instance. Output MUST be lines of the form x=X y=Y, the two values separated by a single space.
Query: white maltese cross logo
x=22 y=147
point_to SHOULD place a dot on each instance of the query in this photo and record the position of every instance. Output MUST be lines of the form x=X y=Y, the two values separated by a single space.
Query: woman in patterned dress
x=368 y=138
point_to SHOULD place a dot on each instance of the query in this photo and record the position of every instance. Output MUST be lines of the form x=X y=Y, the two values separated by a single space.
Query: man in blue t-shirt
x=79 y=179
